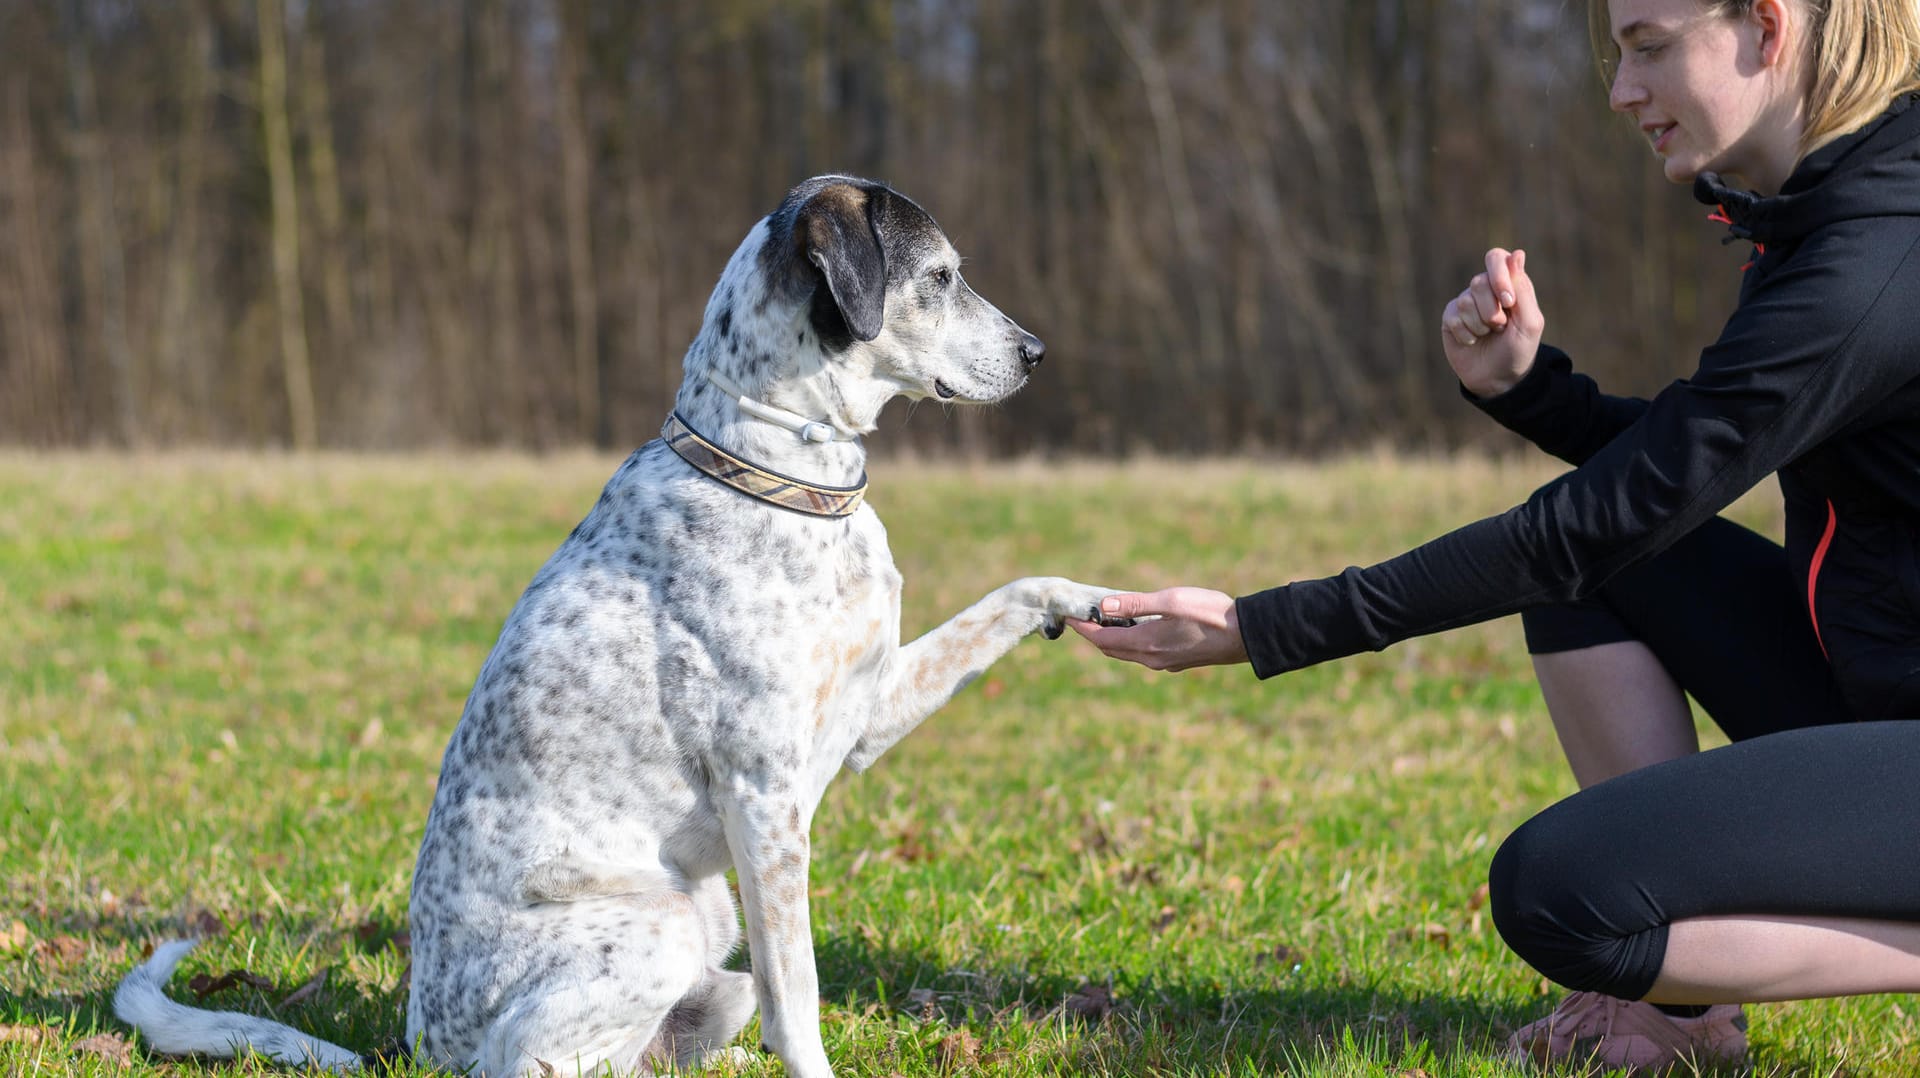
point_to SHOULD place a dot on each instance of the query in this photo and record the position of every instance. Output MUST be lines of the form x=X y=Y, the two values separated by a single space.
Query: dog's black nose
x=1031 y=350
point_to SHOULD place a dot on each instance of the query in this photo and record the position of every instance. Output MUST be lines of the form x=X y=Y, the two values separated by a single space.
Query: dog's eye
x=942 y=276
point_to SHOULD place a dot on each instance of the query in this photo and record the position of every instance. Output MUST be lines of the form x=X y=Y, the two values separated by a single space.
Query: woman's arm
x=1804 y=355
x=1491 y=334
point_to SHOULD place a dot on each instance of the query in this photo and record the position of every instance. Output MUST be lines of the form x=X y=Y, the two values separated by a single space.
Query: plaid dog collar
x=770 y=487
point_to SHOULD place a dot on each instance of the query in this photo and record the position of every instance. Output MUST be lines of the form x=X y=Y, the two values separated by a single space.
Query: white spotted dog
x=676 y=688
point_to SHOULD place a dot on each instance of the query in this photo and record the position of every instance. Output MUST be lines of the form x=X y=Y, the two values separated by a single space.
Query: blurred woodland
x=401 y=223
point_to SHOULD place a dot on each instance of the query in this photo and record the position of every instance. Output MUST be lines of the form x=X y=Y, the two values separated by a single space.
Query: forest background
x=396 y=224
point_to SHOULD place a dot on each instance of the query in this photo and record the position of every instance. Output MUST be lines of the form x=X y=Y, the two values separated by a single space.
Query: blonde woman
x=1678 y=884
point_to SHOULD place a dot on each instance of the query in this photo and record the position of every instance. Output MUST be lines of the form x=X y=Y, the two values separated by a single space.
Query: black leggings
x=1816 y=820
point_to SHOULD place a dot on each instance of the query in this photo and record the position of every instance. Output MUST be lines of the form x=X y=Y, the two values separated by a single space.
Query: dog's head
x=884 y=296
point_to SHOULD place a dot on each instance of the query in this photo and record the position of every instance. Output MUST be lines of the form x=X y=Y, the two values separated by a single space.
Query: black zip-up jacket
x=1816 y=376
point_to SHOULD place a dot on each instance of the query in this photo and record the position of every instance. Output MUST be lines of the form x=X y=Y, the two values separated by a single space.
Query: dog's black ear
x=835 y=230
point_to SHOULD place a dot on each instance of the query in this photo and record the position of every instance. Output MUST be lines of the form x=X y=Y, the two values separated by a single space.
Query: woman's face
x=1708 y=91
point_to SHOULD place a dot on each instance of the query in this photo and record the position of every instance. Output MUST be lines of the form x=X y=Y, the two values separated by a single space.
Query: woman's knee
x=1557 y=906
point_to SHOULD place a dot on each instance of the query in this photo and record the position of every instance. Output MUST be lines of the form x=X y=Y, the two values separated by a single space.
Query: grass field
x=226 y=683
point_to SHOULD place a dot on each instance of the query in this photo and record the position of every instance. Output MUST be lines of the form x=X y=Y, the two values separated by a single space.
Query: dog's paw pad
x=1053 y=628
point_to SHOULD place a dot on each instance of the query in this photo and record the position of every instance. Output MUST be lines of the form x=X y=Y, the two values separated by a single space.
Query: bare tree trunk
x=576 y=175
x=1337 y=378
x=36 y=337
x=323 y=165
x=102 y=260
x=1170 y=142
x=493 y=266
x=290 y=307
x=184 y=376
x=1394 y=261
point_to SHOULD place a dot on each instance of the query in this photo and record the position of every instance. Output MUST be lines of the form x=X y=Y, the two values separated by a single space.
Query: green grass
x=226 y=683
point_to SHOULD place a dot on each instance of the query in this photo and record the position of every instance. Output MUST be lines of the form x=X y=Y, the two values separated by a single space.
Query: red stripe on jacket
x=1813 y=573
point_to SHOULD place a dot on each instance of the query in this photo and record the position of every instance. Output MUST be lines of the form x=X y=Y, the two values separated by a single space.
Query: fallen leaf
x=959 y=1049
x=1280 y=954
x=106 y=1046
x=1167 y=916
x=909 y=847
x=15 y=937
x=24 y=1034
x=1413 y=1072
x=309 y=990
x=206 y=923
x=1094 y=836
x=1090 y=1002
x=61 y=949
x=1432 y=932
x=1479 y=898
x=204 y=986
x=373 y=935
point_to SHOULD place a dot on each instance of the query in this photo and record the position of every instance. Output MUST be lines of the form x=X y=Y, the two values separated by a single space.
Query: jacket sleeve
x=1562 y=412
x=1798 y=360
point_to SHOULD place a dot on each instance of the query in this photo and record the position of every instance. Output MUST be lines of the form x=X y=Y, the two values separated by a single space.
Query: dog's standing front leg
x=928 y=672
x=767 y=832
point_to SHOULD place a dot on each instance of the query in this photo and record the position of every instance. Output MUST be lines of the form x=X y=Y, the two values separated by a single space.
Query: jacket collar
x=1871 y=172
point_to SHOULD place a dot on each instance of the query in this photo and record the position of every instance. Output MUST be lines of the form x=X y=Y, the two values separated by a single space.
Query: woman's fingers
x=1526 y=305
x=1486 y=306
x=1500 y=277
x=1454 y=325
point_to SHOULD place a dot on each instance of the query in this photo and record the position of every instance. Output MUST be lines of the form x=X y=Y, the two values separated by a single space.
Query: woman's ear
x=1778 y=26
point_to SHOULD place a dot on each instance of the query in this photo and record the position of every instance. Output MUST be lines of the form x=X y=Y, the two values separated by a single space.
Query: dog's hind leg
x=717 y=1010
x=605 y=975
x=698 y=1028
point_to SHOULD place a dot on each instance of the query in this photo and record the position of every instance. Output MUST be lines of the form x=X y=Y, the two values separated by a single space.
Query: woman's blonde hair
x=1866 y=53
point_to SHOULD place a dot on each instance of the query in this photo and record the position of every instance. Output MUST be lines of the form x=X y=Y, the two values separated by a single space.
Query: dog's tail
x=174 y=1029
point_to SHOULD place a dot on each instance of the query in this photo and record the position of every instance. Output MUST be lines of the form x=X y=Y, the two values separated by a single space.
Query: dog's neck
x=717 y=414
x=764 y=347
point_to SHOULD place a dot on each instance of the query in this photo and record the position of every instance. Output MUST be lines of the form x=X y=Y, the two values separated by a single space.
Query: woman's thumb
x=1522 y=284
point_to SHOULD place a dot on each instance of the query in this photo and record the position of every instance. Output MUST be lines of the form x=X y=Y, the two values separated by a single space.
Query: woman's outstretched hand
x=1190 y=627
x=1492 y=330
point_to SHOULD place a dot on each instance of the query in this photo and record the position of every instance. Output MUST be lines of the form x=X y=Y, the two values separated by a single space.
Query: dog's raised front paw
x=1057 y=599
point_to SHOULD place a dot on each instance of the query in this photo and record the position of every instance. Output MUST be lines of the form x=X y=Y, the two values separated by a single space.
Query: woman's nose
x=1626 y=93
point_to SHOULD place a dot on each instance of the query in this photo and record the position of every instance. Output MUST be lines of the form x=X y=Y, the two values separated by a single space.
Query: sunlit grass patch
x=229 y=679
